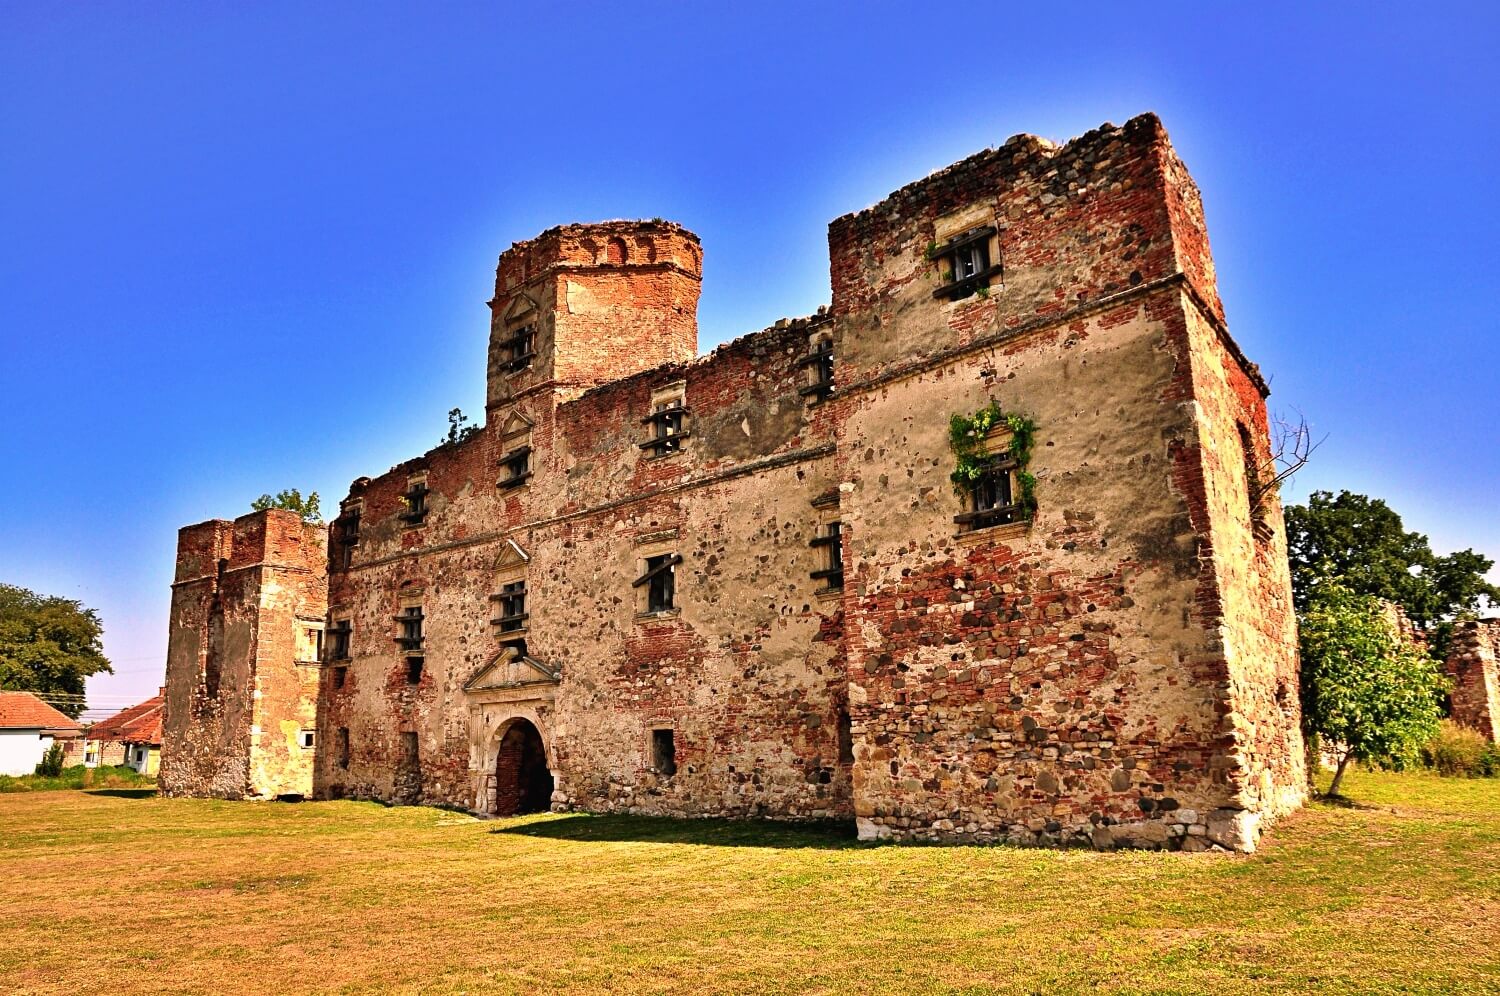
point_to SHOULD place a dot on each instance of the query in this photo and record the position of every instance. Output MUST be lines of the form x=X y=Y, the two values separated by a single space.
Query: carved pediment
x=515 y=423
x=511 y=557
x=521 y=306
x=509 y=670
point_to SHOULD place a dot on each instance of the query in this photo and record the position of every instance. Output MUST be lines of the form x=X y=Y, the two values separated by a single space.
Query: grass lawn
x=120 y=891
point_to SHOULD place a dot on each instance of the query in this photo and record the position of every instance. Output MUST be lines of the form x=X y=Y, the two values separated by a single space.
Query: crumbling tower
x=582 y=305
x=248 y=604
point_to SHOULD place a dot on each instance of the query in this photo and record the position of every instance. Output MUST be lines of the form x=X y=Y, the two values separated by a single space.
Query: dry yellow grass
x=122 y=894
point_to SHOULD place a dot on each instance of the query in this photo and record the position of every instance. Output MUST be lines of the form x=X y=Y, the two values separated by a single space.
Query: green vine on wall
x=966 y=437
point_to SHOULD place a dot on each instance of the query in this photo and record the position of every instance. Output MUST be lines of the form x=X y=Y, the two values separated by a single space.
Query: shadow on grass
x=664 y=830
x=1345 y=802
x=143 y=793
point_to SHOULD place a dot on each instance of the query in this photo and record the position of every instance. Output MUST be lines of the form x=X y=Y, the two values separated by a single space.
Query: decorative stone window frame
x=415 y=501
x=653 y=561
x=985 y=512
x=819 y=364
x=511 y=627
x=516 y=451
x=309 y=641
x=967 y=253
x=668 y=421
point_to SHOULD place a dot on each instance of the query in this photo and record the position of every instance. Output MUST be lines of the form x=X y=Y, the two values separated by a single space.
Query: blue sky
x=246 y=247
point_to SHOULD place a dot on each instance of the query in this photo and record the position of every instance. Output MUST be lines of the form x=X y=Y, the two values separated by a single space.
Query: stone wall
x=1473 y=669
x=248 y=600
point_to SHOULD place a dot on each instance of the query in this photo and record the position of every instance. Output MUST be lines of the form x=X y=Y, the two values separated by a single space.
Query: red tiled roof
x=22 y=710
x=140 y=724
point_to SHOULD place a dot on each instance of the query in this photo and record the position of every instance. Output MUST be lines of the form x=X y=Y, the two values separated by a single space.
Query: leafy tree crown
x=291 y=501
x=1364 y=691
x=1361 y=543
x=49 y=646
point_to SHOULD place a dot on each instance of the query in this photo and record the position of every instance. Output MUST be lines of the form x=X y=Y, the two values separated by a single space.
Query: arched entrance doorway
x=523 y=783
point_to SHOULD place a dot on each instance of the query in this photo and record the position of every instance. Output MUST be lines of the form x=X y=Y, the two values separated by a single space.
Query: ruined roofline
x=1023 y=151
x=217 y=520
x=804 y=325
x=614 y=226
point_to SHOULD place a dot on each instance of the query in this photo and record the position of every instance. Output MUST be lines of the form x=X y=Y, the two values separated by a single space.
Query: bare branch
x=1292 y=446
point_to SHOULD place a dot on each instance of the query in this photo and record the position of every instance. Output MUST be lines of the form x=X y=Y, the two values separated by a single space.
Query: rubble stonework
x=242 y=676
x=1120 y=670
x=1475 y=674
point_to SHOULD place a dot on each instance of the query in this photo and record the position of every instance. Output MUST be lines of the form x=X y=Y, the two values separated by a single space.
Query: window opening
x=831 y=540
x=820 y=362
x=964 y=261
x=664 y=752
x=661 y=581
x=668 y=427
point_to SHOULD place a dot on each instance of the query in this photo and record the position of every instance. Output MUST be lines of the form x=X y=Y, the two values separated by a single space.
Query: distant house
x=137 y=730
x=28 y=728
x=94 y=753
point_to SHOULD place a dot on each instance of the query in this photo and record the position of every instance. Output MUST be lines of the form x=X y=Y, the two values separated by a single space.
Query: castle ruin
x=745 y=584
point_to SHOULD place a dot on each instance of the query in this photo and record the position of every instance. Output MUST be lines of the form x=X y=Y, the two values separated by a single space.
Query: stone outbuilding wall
x=1473 y=669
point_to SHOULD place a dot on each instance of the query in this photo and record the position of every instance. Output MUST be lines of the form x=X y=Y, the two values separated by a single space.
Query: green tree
x=49 y=645
x=459 y=428
x=292 y=501
x=51 y=764
x=1360 y=543
x=1365 y=693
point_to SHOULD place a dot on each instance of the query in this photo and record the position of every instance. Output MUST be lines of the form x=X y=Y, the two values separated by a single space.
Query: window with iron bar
x=348 y=538
x=992 y=497
x=820 y=361
x=520 y=348
x=338 y=640
x=967 y=261
x=416 y=505
x=517 y=464
x=411 y=628
x=512 y=599
x=668 y=427
x=832 y=541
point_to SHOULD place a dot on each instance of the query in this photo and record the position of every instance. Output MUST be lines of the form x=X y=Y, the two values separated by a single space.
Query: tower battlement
x=584 y=304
